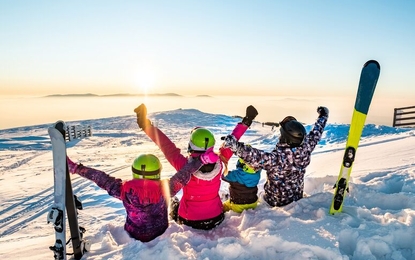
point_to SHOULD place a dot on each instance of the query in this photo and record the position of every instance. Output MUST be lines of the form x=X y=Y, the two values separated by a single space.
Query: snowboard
x=367 y=84
x=64 y=199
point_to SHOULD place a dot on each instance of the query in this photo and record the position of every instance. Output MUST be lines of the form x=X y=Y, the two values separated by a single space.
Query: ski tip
x=372 y=62
x=60 y=125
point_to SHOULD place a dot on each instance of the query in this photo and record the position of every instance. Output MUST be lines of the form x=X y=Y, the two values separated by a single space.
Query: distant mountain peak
x=114 y=95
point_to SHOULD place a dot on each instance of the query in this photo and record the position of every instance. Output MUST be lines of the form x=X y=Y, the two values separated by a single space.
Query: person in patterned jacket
x=145 y=197
x=286 y=164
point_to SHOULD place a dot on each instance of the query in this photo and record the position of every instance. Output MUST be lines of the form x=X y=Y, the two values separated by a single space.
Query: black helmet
x=292 y=131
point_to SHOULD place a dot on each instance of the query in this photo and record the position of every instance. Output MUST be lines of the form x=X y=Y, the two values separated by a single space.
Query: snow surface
x=377 y=221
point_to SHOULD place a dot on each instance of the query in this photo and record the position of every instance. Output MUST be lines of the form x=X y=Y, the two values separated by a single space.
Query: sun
x=145 y=79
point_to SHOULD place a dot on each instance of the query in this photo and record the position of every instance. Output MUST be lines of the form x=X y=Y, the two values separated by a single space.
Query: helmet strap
x=149 y=177
x=206 y=142
x=145 y=173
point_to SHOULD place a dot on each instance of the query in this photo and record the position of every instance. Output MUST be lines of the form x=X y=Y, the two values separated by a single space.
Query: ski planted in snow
x=57 y=214
x=65 y=200
x=367 y=84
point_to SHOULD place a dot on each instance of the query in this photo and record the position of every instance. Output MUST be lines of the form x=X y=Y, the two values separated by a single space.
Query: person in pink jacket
x=200 y=206
x=145 y=197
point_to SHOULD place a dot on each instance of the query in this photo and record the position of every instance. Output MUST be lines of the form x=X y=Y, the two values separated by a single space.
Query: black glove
x=322 y=111
x=251 y=113
x=141 y=112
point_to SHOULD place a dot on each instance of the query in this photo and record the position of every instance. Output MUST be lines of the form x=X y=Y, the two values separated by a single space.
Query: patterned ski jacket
x=144 y=200
x=200 y=200
x=285 y=166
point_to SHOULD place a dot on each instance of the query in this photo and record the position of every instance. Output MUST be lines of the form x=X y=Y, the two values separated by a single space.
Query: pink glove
x=209 y=156
x=71 y=165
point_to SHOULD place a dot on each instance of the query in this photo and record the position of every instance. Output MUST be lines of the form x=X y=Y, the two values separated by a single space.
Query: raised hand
x=141 y=112
x=322 y=111
x=250 y=115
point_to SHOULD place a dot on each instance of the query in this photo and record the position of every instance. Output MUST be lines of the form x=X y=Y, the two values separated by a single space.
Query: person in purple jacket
x=145 y=197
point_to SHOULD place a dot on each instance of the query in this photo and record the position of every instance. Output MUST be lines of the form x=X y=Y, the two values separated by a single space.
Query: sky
x=377 y=221
x=312 y=48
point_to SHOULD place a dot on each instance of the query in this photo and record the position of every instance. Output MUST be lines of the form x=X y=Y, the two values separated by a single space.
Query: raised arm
x=169 y=149
x=256 y=158
x=110 y=184
x=314 y=136
x=238 y=131
x=182 y=177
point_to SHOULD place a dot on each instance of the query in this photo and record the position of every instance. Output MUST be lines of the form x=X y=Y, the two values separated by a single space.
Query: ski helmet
x=292 y=131
x=245 y=167
x=200 y=140
x=146 y=166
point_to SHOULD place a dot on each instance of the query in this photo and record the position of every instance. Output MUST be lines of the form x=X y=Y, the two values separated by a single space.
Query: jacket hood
x=141 y=192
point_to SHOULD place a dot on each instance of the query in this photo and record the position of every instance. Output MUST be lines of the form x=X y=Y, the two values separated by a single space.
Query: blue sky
x=306 y=48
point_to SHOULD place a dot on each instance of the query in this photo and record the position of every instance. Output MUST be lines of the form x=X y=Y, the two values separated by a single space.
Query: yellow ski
x=367 y=84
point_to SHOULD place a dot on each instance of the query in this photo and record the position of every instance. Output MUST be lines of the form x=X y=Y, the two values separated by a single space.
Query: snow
x=377 y=221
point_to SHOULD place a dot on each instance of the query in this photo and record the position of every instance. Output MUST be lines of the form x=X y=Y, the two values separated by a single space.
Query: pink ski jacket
x=200 y=200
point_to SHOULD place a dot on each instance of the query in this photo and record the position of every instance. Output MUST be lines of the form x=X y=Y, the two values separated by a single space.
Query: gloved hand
x=322 y=111
x=251 y=113
x=209 y=156
x=141 y=112
x=230 y=142
x=73 y=167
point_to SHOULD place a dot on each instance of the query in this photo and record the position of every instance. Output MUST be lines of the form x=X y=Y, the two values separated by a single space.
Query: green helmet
x=146 y=166
x=200 y=140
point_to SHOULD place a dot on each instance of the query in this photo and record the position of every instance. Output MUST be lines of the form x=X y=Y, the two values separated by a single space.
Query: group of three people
x=147 y=197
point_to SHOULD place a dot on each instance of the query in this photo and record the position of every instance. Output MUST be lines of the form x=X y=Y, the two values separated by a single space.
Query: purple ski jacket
x=145 y=201
x=285 y=166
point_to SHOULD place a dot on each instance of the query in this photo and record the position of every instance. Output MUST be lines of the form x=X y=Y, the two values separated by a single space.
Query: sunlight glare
x=145 y=79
